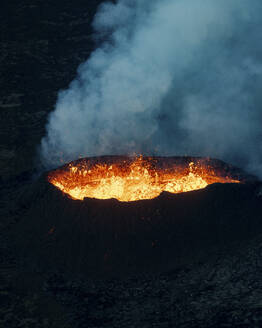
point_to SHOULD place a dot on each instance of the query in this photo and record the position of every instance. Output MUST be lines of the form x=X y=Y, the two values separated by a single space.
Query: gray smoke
x=175 y=77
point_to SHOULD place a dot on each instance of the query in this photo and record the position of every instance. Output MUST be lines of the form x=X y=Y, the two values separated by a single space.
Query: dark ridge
x=105 y=238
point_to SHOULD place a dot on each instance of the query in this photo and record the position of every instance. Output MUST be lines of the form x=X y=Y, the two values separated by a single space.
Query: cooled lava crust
x=109 y=237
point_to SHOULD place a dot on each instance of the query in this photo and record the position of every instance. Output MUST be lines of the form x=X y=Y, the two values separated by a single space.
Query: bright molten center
x=136 y=181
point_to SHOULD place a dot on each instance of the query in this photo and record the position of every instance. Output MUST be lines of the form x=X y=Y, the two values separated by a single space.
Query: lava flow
x=130 y=180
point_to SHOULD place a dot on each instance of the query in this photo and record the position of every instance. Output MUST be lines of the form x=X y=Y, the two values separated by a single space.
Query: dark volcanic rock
x=108 y=237
x=42 y=43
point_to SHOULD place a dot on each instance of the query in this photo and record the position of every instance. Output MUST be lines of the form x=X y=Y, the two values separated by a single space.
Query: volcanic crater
x=138 y=178
x=109 y=236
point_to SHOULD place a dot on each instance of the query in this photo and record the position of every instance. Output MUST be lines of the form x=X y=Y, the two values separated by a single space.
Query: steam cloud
x=175 y=77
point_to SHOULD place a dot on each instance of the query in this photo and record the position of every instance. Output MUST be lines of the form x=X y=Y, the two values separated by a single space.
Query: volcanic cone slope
x=104 y=237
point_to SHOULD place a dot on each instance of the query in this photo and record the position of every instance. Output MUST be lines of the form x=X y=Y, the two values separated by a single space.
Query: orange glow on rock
x=130 y=180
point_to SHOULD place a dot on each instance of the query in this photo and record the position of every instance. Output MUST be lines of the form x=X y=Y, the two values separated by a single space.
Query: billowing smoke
x=174 y=77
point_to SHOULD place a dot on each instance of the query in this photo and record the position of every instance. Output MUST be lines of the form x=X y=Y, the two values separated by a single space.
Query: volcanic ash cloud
x=174 y=77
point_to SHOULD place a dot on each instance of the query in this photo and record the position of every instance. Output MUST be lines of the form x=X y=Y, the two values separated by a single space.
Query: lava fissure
x=131 y=180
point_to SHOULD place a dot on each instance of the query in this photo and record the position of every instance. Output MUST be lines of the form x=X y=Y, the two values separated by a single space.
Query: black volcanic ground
x=112 y=238
x=194 y=260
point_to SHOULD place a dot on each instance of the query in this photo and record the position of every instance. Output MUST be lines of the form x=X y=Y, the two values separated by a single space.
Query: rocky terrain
x=42 y=43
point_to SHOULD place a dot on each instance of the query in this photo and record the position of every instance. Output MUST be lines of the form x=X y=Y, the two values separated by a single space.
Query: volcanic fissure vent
x=131 y=179
x=103 y=237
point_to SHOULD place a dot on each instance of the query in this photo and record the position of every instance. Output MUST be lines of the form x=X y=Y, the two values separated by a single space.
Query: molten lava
x=131 y=180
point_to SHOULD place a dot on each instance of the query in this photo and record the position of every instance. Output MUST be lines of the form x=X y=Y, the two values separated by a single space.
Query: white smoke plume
x=174 y=77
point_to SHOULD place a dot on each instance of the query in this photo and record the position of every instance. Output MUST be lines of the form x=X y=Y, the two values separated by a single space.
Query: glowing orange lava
x=130 y=181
